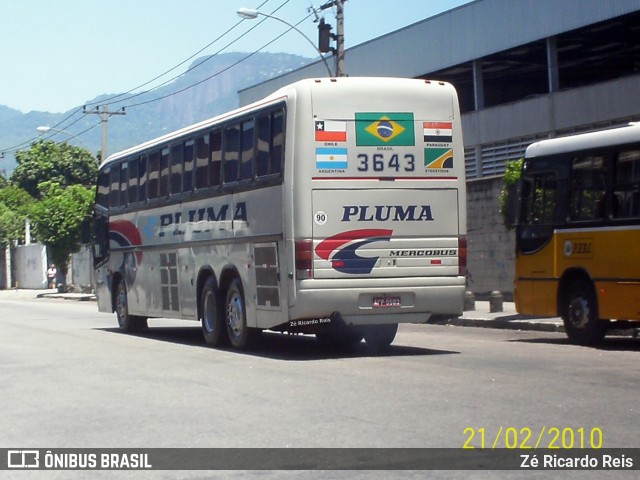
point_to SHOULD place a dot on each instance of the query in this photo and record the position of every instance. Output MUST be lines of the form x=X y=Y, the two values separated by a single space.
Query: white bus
x=335 y=206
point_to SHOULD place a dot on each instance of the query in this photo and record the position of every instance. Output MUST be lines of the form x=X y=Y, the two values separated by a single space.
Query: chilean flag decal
x=342 y=249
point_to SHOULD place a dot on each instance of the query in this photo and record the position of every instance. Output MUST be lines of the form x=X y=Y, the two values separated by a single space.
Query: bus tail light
x=462 y=256
x=304 y=259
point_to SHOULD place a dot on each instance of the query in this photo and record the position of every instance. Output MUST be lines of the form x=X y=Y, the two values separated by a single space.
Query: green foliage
x=58 y=217
x=48 y=161
x=15 y=206
x=513 y=171
x=11 y=226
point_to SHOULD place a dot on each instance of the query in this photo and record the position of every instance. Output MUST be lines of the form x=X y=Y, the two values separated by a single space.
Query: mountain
x=217 y=80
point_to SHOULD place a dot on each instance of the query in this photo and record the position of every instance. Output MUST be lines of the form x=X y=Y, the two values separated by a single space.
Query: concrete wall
x=491 y=247
x=30 y=266
x=5 y=268
x=81 y=268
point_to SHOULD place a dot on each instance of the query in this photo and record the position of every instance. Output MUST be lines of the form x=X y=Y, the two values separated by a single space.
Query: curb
x=79 y=297
x=507 y=323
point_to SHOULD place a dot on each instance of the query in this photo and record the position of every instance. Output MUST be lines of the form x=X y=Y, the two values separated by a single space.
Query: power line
x=108 y=101
x=217 y=73
x=166 y=82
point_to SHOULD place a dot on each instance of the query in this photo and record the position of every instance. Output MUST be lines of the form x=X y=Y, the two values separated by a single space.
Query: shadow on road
x=281 y=346
x=612 y=344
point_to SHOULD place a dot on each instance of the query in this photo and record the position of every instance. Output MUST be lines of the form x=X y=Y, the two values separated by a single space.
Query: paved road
x=69 y=378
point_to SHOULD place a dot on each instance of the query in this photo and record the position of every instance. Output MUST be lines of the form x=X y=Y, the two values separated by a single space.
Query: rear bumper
x=419 y=299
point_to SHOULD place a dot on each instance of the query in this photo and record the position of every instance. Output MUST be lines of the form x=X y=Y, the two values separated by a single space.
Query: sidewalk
x=509 y=318
x=29 y=294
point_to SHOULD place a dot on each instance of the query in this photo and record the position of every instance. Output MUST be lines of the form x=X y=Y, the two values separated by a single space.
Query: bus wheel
x=128 y=323
x=240 y=336
x=213 y=328
x=380 y=337
x=580 y=316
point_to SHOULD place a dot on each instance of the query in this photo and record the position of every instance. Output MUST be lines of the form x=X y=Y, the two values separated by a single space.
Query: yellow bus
x=578 y=232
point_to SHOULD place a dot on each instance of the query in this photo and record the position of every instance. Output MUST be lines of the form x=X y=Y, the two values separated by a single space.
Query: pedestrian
x=52 y=273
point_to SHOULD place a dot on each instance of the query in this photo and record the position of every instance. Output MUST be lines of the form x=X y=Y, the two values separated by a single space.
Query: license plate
x=383 y=302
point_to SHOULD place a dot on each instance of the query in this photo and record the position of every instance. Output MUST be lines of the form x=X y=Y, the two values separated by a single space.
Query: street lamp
x=251 y=14
x=46 y=129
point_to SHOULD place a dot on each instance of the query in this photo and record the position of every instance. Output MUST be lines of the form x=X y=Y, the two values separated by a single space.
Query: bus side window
x=132 y=190
x=263 y=127
x=246 y=154
x=102 y=197
x=587 y=188
x=231 y=153
x=177 y=159
x=153 y=174
x=202 y=162
x=187 y=178
x=142 y=178
x=114 y=191
x=277 y=141
x=216 y=158
x=124 y=181
x=164 y=173
x=627 y=184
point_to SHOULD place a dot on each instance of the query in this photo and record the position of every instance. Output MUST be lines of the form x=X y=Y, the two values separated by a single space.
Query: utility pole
x=325 y=34
x=340 y=38
x=105 y=113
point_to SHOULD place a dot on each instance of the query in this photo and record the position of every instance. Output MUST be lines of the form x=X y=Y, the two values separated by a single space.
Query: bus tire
x=213 y=326
x=126 y=322
x=379 y=337
x=581 y=321
x=240 y=336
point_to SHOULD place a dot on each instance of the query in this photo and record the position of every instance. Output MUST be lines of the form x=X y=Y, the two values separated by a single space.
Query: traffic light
x=324 y=36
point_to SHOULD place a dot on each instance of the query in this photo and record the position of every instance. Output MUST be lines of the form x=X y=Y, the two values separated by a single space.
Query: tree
x=15 y=205
x=57 y=219
x=513 y=171
x=48 y=161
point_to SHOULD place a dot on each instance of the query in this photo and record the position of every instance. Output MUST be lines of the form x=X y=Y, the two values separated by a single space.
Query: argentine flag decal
x=331 y=158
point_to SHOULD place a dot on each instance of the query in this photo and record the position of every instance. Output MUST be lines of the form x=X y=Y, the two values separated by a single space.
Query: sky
x=58 y=54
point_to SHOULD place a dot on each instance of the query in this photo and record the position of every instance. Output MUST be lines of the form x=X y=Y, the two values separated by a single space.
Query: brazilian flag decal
x=437 y=158
x=378 y=129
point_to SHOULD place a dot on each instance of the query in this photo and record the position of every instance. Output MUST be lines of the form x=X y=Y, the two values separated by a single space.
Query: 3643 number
x=378 y=163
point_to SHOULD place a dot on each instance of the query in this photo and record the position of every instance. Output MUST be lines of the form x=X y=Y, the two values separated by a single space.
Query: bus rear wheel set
x=581 y=320
x=228 y=325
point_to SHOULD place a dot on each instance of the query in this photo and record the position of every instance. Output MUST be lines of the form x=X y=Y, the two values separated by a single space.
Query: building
x=525 y=70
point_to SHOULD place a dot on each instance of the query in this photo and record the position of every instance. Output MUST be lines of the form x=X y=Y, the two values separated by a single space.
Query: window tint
x=124 y=180
x=187 y=178
x=153 y=174
x=133 y=181
x=231 y=153
x=177 y=159
x=102 y=197
x=142 y=179
x=277 y=141
x=164 y=173
x=202 y=161
x=246 y=155
x=626 y=197
x=263 y=134
x=216 y=159
x=587 y=188
x=114 y=191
